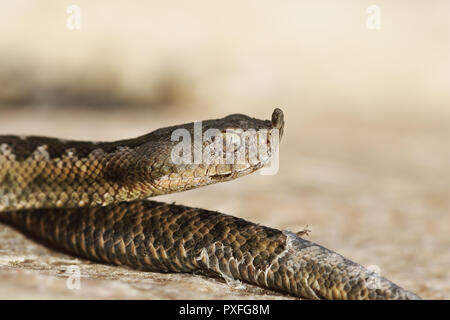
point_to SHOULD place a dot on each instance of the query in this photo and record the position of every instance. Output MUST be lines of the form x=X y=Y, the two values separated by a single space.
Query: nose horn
x=278 y=120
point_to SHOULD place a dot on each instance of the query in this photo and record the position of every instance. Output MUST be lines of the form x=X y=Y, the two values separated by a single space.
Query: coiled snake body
x=86 y=198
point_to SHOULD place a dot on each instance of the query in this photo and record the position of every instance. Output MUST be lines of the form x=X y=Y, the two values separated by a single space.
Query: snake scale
x=87 y=198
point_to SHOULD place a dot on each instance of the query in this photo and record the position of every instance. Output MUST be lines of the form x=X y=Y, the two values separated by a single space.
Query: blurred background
x=364 y=86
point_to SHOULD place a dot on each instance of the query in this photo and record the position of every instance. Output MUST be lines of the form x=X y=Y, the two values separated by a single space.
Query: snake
x=89 y=199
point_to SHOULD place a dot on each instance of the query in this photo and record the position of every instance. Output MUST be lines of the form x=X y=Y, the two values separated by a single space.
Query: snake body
x=86 y=199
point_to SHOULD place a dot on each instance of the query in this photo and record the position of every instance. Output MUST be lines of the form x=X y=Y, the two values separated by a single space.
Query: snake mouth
x=221 y=176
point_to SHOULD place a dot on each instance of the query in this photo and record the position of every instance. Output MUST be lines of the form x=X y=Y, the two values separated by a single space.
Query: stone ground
x=372 y=186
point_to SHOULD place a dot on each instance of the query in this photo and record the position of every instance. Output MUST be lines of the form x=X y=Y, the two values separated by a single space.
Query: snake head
x=206 y=152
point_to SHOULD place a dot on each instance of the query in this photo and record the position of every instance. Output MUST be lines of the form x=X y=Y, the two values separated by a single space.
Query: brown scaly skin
x=40 y=172
x=36 y=178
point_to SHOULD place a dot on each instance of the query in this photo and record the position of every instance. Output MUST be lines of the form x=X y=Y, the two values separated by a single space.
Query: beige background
x=364 y=160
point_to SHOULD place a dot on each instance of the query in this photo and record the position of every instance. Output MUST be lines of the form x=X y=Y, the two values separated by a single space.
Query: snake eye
x=232 y=141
